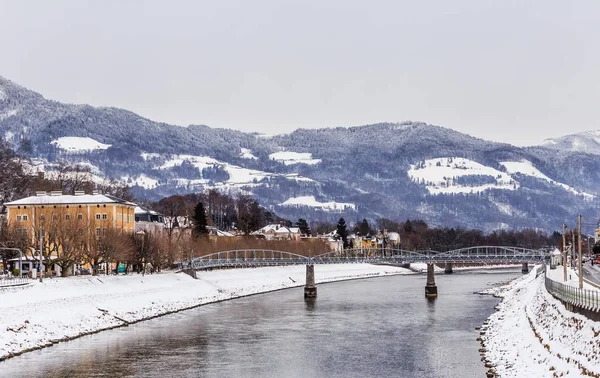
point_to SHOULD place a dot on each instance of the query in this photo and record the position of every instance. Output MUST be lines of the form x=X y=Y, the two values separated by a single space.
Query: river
x=378 y=327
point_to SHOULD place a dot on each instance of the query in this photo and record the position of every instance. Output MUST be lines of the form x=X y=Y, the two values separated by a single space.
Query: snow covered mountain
x=394 y=170
x=586 y=142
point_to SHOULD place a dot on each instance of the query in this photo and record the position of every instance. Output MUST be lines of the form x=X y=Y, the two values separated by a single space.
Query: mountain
x=587 y=142
x=393 y=170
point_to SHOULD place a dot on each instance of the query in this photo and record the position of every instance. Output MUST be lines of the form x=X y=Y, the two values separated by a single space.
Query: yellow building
x=85 y=212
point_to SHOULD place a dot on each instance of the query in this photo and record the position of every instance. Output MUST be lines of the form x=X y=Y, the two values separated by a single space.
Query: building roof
x=144 y=210
x=65 y=199
x=276 y=228
x=218 y=232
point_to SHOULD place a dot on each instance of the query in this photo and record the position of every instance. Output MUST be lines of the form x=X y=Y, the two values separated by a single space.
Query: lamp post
x=41 y=247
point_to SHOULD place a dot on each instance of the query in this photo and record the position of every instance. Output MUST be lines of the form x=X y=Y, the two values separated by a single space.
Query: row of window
x=103 y=216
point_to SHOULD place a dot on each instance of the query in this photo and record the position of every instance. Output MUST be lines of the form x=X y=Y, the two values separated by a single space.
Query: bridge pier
x=430 y=287
x=448 y=269
x=525 y=268
x=310 y=289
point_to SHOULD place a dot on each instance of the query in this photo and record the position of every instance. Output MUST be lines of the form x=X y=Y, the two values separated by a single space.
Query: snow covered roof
x=218 y=232
x=66 y=199
x=394 y=236
x=276 y=228
x=143 y=210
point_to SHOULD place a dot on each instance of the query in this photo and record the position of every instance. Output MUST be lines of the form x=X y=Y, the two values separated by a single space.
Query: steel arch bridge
x=247 y=258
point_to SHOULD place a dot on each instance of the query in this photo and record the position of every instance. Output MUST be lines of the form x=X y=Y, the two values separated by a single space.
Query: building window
x=98 y=216
x=18 y=218
x=80 y=231
x=79 y=216
x=68 y=217
x=54 y=217
x=22 y=231
x=42 y=217
x=23 y=218
x=98 y=231
x=104 y=231
x=104 y=216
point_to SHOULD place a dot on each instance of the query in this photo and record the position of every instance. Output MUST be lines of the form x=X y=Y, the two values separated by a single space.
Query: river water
x=378 y=327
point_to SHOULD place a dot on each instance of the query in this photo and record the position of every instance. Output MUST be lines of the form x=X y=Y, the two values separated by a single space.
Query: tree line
x=417 y=235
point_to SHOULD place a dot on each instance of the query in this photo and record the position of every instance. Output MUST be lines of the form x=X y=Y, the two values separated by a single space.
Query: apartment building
x=95 y=211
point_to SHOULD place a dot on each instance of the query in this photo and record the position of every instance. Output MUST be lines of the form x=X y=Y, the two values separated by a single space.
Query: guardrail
x=13 y=281
x=540 y=269
x=582 y=301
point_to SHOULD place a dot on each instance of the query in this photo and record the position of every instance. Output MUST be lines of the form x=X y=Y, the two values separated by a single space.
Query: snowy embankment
x=533 y=335
x=59 y=309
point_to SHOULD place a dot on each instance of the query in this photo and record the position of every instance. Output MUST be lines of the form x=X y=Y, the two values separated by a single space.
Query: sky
x=509 y=71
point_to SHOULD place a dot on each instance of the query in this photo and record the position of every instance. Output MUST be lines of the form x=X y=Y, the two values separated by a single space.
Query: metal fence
x=583 y=298
x=13 y=281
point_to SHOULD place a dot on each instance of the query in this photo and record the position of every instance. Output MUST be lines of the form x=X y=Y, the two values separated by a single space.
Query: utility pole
x=572 y=248
x=580 y=257
x=564 y=250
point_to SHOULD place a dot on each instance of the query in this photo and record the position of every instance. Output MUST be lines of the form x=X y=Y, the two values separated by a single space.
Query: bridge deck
x=473 y=255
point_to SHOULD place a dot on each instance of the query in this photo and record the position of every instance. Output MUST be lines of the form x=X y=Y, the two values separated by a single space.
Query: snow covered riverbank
x=533 y=335
x=63 y=308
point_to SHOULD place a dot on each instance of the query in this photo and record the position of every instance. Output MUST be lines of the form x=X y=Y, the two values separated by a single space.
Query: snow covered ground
x=533 y=335
x=79 y=144
x=310 y=201
x=440 y=176
x=63 y=308
x=290 y=157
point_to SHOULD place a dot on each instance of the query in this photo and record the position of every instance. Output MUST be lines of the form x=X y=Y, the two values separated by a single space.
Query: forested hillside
x=389 y=170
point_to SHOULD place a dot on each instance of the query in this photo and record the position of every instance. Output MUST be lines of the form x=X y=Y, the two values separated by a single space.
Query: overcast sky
x=509 y=71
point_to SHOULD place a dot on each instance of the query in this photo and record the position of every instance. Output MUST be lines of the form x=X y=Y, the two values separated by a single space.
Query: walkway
x=557 y=275
x=591 y=273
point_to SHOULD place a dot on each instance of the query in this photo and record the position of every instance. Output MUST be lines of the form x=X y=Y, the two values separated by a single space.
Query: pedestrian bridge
x=474 y=255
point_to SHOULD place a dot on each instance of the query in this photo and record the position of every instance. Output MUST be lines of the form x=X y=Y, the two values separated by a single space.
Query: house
x=278 y=232
x=215 y=232
x=148 y=220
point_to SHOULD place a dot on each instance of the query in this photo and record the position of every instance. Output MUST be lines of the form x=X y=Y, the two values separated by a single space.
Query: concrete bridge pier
x=430 y=288
x=448 y=269
x=310 y=289
x=525 y=268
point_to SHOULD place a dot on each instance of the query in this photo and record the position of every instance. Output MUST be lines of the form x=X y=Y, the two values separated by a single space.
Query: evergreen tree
x=303 y=226
x=342 y=232
x=200 y=220
x=363 y=228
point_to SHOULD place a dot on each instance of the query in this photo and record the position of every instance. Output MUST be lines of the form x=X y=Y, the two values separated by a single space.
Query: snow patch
x=289 y=158
x=142 y=180
x=8 y=114
x=247 y=154
x=526 y=168
x=440 y=176
x=79 y=144
x=238 y=176
x=312 y=202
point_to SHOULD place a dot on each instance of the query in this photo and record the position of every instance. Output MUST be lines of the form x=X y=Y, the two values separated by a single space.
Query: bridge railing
x=258 y=257
x=588 y=300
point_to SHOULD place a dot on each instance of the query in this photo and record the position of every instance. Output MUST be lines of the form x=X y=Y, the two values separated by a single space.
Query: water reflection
x=375 y=327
